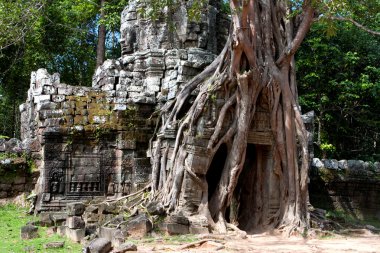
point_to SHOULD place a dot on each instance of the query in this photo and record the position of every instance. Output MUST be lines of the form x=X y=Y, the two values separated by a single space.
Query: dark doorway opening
x=216 y=168
x=253 y=195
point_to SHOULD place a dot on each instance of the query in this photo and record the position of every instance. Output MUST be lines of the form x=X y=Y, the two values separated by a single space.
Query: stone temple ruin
x=93 y=141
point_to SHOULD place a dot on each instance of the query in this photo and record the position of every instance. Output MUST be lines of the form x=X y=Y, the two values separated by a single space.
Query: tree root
x=242 y=234
x=219 y=107
x=130 y=195
x=199 y=243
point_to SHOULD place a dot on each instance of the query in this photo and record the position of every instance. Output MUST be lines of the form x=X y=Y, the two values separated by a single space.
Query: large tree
x=255 y=70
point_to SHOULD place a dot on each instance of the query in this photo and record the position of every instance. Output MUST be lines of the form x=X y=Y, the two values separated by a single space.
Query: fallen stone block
x=176 y=229
x=118 y=238
x=58 y=218
x=45 y=220
x=91 y=217
x=91 y=229
x=107 y=232
x=29 y=232
x=98 y=245
x=75 y=222
x=108 y=208
x=198 y=225
x=54 y=245
x=61 y=230
x=75 y=209
x=155 y=208
x=127 y=246
x=75 y=235
x=139 y=226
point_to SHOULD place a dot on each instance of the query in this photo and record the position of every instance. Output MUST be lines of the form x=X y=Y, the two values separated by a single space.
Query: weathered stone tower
x=92 y=141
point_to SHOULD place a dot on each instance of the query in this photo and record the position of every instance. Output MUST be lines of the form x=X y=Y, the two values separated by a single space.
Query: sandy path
x=272 y=244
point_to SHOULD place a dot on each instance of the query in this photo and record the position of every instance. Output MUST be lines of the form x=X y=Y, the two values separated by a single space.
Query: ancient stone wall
x=92 y=141
x=16 y=175
x=352 y=186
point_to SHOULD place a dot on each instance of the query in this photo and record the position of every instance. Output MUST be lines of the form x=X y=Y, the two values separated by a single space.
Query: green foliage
x=17 y=17
x=131 y=117
x=349 y=218
x=9 y=114
x=12 y=218
x=327 y=149
x=112 y=10
x=60 y=36
x=6 y=155
x=366 y=12
x=31 y=164
x=225 y=7
x=163 y=9
x=11 y=170
x=338 y=77
x=101 y=132
x=195 y=9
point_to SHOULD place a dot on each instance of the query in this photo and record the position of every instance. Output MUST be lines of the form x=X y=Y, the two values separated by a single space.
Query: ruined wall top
x=175 y=32
x=159 y=57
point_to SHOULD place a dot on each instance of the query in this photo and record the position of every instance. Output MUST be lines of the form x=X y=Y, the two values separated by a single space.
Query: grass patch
x=12 y=218
x=168 y=239
x=179 y=239
x=327 y=237
x=349 y=219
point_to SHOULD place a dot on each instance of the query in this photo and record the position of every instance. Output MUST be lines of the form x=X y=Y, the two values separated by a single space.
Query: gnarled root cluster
x=257 y=187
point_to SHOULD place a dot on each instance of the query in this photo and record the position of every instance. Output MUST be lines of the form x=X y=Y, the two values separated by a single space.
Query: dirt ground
x=269 y=243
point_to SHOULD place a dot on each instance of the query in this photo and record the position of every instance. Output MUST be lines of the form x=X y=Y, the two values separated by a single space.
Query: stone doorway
x=256 y=197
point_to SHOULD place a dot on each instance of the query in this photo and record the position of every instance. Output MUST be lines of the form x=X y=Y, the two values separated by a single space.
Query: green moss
x=8 y=176
x=80 y=104
x=328 y=175
x=71 y=98
x=8 y=155
x=93 y=107
x=19 y=163
x=101 y=131
x=131 y=117
x=84 y=99
x=31 y=164
x=78 y=120
x=12 y=218
x=103 y=112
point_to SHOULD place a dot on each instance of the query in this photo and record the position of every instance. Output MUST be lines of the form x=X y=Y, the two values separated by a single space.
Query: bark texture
x=101 y=46
x=254 y=72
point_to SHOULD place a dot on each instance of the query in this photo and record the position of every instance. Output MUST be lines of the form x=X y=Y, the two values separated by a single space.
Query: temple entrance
x=254 y=193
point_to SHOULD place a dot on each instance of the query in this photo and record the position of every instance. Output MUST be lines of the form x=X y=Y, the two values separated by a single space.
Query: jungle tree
x=257 y=64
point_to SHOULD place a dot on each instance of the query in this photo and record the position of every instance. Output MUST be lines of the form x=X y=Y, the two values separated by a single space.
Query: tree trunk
x=100 y=49
x=254 y=75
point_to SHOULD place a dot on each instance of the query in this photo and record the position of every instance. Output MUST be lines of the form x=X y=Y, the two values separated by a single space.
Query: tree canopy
x=60 y=36
x=338 y=78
